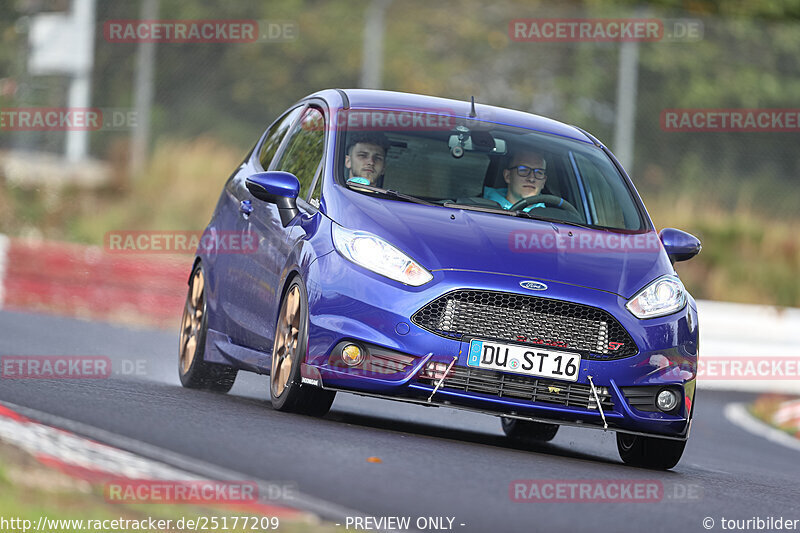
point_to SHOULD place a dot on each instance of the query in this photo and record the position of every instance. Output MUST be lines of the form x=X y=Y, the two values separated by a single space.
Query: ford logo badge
x=533 y=285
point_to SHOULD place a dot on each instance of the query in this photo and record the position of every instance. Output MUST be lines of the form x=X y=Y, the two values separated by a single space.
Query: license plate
x=528 y=360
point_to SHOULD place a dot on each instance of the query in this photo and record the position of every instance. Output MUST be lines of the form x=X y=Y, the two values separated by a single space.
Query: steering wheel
x=546 y=199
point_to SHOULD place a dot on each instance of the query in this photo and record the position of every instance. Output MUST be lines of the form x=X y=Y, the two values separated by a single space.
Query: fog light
x=667 y=400
x=352 y=355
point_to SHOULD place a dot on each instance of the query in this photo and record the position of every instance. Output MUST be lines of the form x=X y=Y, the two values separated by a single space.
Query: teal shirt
x=499 y=196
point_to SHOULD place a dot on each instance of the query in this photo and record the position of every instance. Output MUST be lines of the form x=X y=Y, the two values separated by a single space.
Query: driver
x=365 y=157
x=525 y=177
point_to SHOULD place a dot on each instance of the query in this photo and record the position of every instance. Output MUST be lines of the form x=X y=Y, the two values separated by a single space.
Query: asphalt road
x=435 y=462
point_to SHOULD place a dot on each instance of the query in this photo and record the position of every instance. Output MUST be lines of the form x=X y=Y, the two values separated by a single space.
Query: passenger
x=525 y=177
x=365 y=157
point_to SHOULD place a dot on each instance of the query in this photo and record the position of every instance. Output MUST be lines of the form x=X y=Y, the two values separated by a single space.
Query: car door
x=301 y=154
x=240 y=287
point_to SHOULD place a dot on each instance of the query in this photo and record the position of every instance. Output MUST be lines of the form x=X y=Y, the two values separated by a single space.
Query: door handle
x=245 y=207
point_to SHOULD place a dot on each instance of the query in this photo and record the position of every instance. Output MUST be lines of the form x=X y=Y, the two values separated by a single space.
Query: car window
x=601 y=195
x=476 y=163
x=304 y=149
x=416 y=167
x=274 y=137
x=316 y=194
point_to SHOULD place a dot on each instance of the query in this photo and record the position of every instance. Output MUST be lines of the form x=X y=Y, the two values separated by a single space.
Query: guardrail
x=149 y=289
x=85 y=281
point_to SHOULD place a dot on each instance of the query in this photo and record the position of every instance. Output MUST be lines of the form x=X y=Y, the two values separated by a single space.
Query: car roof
x=379 y=99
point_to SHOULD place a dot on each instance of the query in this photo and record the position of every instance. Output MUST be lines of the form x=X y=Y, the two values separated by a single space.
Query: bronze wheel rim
x=287 y=339
x=192 y=323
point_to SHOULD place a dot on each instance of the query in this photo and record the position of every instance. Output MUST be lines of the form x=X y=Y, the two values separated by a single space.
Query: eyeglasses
x=524 y=171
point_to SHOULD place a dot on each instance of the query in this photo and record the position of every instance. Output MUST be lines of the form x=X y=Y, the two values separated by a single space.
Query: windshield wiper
x=388 y=192
x=482 y=208
x=561 y=221
x=521 y=214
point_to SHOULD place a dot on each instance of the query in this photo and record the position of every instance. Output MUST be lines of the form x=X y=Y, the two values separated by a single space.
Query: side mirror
x=279 y=188
x=679 y=245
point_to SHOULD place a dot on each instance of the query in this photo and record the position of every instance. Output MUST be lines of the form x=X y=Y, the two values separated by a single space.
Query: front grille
x=516 y=386
x=527 y=319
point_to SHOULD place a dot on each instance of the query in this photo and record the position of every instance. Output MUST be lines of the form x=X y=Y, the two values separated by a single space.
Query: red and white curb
x=56 y=442
x=76 y=454
x=788 y=413
x=737 y=414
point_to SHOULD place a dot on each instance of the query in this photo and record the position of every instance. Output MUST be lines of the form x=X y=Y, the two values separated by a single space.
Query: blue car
x=446 y=253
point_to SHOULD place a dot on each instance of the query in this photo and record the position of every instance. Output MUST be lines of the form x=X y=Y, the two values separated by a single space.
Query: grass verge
x=30 y=490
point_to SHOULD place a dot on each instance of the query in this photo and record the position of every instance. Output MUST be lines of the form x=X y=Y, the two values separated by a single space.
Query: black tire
x=528 y=432
x=291 y=339
x=649 y=452
x=193 y=370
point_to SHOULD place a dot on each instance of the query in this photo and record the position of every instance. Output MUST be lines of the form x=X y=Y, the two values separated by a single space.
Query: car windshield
x=473 y=164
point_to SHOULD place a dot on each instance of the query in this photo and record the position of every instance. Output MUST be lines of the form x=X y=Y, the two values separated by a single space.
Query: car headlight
x=375 y=254
x=663 y=296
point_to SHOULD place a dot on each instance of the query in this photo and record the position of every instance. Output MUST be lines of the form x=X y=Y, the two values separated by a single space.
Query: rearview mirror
x=477 y=142
x=279 y=188
x=679 y=245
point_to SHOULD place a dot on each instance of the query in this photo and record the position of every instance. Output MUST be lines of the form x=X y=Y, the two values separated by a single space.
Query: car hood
x=455 y=239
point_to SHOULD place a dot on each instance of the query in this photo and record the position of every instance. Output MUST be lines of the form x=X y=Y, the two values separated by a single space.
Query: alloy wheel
x=192 y=323
x=287 y=338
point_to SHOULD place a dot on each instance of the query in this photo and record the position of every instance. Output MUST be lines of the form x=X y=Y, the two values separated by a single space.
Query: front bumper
x=377 y=313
